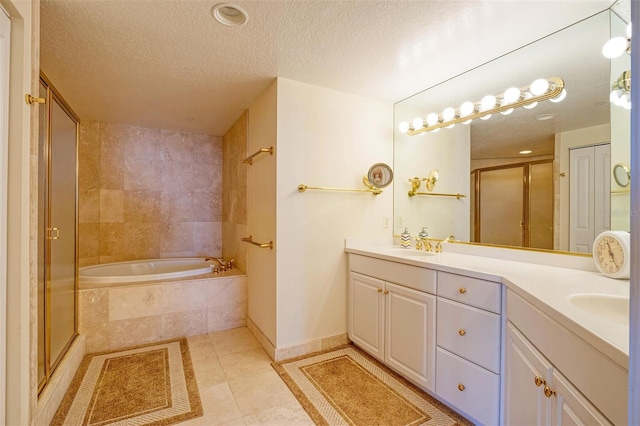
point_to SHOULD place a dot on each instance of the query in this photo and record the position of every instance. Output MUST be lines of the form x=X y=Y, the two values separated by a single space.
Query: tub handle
x=249 y=240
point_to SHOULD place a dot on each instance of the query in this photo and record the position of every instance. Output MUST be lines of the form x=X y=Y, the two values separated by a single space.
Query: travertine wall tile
x=163 y=187
x=234 y=194
x=119 y=317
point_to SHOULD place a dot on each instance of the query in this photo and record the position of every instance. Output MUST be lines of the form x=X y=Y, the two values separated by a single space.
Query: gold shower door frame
x=50 y=233
x=527 y=203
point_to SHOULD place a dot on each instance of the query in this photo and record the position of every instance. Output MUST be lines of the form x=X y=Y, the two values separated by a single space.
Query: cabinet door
x=410 y=334
x=570 y=407
x=524 y=400
x=365 y=315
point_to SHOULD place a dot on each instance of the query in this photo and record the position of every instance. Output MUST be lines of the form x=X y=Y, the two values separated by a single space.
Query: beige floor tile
x=260 y=392
x=208 y=373
x=244 y=363
x=233 y=340
x=294 y=415
x=202 y=350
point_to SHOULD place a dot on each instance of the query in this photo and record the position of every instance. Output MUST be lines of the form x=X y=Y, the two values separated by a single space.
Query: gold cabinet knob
x=462 y=290
x=379 y=290
x=462 y=332
x=386 y=292
x=461 y=387
x=548 y=392
x=539 y=381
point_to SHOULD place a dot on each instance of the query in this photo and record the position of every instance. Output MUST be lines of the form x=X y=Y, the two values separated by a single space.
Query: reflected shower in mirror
x=538 y=177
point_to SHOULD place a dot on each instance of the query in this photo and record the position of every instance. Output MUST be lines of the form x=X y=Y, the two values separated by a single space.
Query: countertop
x=546 y=287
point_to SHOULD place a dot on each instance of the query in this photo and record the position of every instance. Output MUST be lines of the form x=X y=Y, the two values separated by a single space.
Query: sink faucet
x=423 y=244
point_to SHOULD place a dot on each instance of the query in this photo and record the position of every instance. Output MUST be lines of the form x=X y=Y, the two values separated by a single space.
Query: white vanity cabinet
x=537 y=392
x=468 y=345
x=391 y=315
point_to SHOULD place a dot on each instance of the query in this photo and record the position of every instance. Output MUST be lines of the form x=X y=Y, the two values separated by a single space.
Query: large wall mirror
x=538 y=178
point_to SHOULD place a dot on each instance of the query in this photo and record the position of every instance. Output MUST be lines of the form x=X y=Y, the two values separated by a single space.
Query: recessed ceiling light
x=229 y=14
x=543 y=117
x=526 y=151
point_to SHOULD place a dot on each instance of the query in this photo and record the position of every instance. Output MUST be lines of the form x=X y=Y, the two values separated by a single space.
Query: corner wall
x=324 y=138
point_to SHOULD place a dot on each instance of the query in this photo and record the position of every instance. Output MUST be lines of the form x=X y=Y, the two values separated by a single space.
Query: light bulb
x=404 y=127
x=627 y=105
x=560 y=97
x=511 y=95
x=539 y=87
x=504 y=102
x=485 y=117
x=628 y=30
x=527 y=95
x=614 y=96
x=432 y=119
x=418 y=123
x=448 y=114
x=487 y=102
x=467 y=108
x=615 y=47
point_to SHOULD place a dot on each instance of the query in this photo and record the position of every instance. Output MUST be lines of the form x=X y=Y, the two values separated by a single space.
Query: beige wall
x=148 y=193
x=234 y=192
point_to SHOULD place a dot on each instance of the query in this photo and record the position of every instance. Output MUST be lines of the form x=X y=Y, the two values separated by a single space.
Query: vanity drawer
x=471 y=291
x=469 y=332
x=467 y=387
x=421 y=279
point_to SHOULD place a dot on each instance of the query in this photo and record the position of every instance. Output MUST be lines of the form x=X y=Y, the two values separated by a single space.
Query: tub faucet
x=220 y=265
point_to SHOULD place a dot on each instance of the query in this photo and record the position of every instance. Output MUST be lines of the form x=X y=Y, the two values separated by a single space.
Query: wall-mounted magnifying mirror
x=622 y=174
x=430 y=181
x=379 y=175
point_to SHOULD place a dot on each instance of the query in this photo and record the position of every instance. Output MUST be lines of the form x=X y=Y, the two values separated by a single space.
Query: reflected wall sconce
x=621 y=88
x=528 y=97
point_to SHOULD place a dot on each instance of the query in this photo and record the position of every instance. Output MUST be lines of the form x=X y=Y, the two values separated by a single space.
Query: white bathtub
x=143 y=270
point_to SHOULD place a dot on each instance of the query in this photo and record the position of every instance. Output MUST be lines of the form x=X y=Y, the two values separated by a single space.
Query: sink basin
x=614 y=308
x=411 y=252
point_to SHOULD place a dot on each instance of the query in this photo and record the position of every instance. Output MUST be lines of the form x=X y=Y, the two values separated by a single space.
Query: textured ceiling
x=168 y=64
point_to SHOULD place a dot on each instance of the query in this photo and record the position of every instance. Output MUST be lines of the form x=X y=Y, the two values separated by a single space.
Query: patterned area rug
x=146 y=385
x=346 y=386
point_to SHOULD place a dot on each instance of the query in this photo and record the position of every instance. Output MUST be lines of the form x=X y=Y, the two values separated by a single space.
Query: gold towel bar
x=249 y=240
x=249 y=159
x=435 y=194
x=302 y=188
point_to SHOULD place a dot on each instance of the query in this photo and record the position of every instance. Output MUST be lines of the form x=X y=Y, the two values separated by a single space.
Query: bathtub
x=126 y=304
x=143 y=270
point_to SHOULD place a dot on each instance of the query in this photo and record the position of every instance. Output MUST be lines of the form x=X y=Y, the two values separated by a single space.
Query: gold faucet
x=220 y=264
x=446 y=240
x=424 y=244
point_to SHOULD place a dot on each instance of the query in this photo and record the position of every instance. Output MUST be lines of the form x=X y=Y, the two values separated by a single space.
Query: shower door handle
x=54 y=233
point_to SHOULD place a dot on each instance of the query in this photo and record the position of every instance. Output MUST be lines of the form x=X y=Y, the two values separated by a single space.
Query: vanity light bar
x=554 y=91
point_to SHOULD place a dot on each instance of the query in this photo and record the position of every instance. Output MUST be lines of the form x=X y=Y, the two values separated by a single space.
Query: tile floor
x=237 y=384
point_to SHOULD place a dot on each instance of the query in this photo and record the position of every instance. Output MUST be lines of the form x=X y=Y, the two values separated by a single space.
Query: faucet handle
x=439 y=247
x=230 y=264
x=427 y=244
x=419 y=243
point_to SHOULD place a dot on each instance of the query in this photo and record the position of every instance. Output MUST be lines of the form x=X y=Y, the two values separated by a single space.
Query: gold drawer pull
x=539 y=381
x=379 y=290
x=386 y=292
x=462 y=290
x=462 y=332
x=548 y=392
x=460 y=387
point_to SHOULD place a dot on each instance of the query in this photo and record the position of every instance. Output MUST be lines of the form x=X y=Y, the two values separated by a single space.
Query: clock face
x=609 y=254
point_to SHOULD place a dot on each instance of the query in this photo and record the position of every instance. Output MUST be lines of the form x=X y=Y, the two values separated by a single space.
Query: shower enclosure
x=57 y=230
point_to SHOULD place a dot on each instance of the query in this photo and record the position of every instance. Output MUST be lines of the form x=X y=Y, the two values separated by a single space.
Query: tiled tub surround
x=148 y=193
x=131 y=314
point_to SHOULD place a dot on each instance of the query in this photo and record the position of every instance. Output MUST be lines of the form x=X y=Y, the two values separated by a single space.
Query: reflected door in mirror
x=589 y=195
x=503 y=211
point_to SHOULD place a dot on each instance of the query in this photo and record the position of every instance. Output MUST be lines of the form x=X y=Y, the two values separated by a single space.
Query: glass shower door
x=57 y=246
x=62 y=230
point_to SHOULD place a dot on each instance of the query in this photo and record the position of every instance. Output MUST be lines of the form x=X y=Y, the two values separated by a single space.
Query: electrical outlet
x=399 y=221
x=385 y=221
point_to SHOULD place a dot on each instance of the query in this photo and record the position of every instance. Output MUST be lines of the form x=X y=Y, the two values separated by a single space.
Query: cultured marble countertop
x=546 y=287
